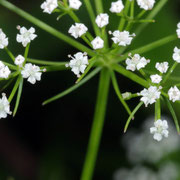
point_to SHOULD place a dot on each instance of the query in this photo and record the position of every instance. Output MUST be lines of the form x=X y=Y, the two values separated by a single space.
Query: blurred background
x=49 y=142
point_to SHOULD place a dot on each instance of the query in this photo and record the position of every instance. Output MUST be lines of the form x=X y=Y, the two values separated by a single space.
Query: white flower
x=97 y=43
x=156 y=78
x=162 y=67
x=122 y=38
x=75 y=4
x=136 y=62
x=49 y=5
x=176 y=55
x=159 y=130
x=4 y=106
x=102 y=20
x=77 y=30
x=78 y=63
x=26 y=36
x=32 y=72
x=146 y=4
x=126 y=95
x=3 y=40
x=19 y=60
x=150 y=95
x=4 y=71
x=178 y=30
x=174 y=94
x=117 y=7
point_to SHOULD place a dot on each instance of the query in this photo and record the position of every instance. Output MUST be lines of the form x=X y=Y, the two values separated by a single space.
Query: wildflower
x=4 y=71
x=75 y=4
x=3 y=40
x=150 y=95
x=19 y=60
x=174 y=94
x=102 y=20
x=77 y=30
x=4 y=106
x=122 y=38
x=126 y=95
x=146 y=4
x=49 y=5
x=178 y=30
x=26 y=36
x=78 y=63
x=136 y=62
x=32 y=72
x=176 y=55
x=162 y=67
x=156 y=78
x=117 y=7
x=159 y=130
x=97 y=43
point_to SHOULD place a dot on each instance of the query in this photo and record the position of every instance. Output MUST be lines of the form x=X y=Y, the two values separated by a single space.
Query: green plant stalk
x=97 y=127
x=26 y=53
x=46 y=27
x=11 y=66
x=99 y=6
x=10 y=54
x=54 y=68
x=158 y=109
x=118 y=92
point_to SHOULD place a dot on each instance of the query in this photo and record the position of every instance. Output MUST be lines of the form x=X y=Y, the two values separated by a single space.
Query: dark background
x=49 y=142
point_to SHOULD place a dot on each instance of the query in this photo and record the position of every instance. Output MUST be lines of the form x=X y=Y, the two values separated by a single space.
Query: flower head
x=146 y=4
x=150 y=95
x=97 y=43
x=174 y=94
x=32 y=73
x=156 y=78
x=102 y=20
x=162 y=67
x=136 y=62
x=178 y=30
x=77 y=30
x=4 y=106
x=19 y=60
x=117 y=7
x=75 y=4
x=78 y=63
x=122 y=38
x=26 y=36
x=176 y=55
x=4 y=71
x=49 y=5
x=3 y=40
x=159 y=130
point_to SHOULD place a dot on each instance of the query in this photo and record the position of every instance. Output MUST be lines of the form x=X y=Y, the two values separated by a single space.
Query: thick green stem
x=46 y=27
x=97 y=126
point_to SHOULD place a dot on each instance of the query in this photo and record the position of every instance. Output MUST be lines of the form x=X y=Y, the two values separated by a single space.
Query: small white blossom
x=97 y=43
x=3 y=40
x=117 y=7
x=49 y=5
x=162 y=67
x=4 y=106
x=102 y=20
x=176 y=55
x=77 y=30
x=78 y=63
x=75 y=4
x=32 y=73
x=159 y=130
x=174 y=94
x=19 y=60
x=150 y=95
x=178 y=30
x=126 y=95
x=122 y=38
x=26 y=36
x=136 y=62
x=156 y=78
x=4 y=71
x=146 y=4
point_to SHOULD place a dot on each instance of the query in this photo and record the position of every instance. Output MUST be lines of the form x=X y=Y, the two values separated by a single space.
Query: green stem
x=26 y=53
x=141 y=14
x=157 y=110
x=9 y=54
x=99 y=6
x=97 y=127
x=46 y=27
